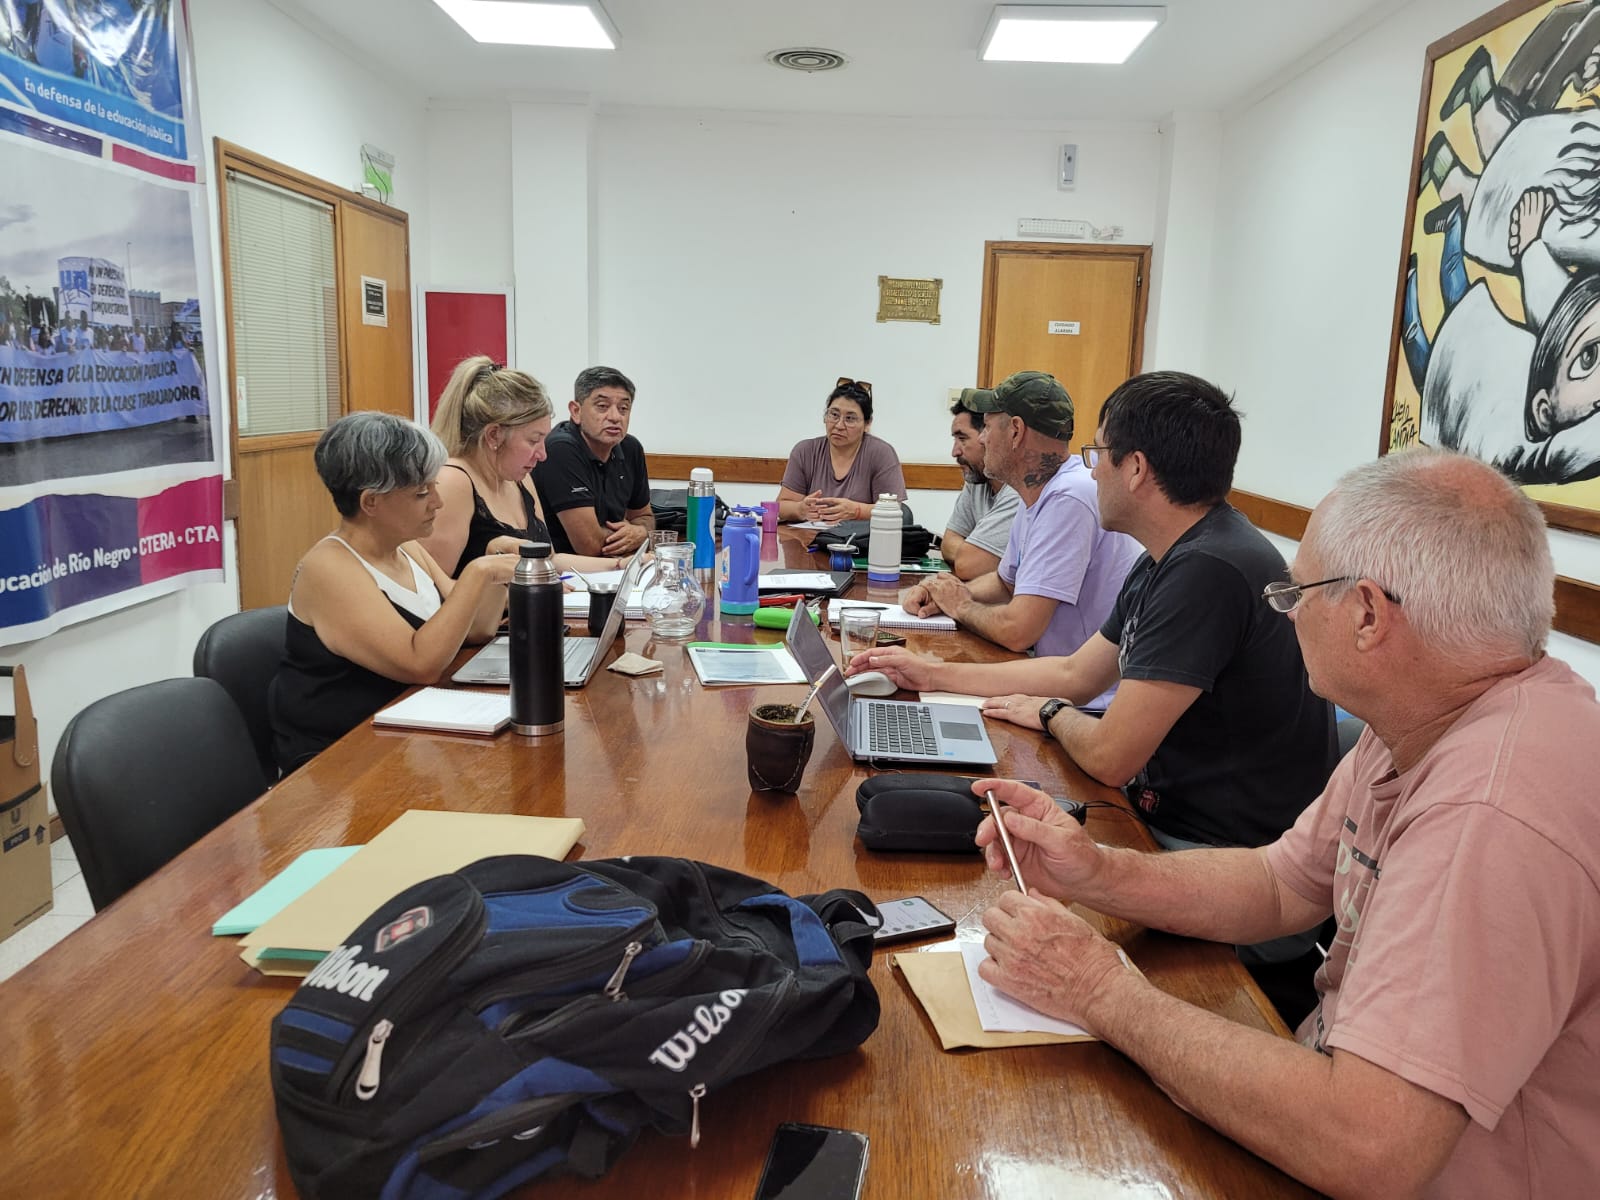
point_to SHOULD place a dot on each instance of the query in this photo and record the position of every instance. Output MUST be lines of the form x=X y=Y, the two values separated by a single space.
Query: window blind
x=285 y=308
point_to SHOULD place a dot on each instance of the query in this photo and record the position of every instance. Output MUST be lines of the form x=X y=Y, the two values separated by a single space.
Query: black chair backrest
x=1349 y=731
x=142 y=775
x=242 y=653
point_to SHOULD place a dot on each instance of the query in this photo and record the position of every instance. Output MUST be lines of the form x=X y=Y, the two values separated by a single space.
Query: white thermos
x=883 y=544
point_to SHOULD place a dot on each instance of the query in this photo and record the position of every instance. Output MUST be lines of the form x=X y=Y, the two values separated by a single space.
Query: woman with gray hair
x=370 y=612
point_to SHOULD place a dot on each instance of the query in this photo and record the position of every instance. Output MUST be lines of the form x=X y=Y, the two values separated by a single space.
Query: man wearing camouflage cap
x=1061 y=572
x=975 y=537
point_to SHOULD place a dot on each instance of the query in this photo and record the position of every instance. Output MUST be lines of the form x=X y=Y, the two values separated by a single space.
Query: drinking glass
x=858 y=631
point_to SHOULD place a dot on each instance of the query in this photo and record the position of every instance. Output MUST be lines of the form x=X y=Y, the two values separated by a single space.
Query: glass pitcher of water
x=672 y=599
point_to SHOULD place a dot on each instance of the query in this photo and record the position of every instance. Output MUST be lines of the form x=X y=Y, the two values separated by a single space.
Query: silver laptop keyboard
x=900 y=729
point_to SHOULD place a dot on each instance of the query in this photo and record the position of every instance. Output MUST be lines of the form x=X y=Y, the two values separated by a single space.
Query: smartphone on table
x=912 y=917
x=813 y=1162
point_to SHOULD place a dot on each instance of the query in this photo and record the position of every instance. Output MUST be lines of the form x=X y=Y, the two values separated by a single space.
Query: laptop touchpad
x=961 y=731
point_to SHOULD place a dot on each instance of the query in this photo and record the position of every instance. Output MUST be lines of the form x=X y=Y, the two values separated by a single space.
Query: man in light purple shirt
x=1061 y=571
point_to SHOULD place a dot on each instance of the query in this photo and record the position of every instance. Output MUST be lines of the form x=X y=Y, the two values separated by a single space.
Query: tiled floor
x=72 y=908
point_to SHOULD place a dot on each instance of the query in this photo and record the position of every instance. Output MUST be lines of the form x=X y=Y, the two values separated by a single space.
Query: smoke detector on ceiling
x=809 y=59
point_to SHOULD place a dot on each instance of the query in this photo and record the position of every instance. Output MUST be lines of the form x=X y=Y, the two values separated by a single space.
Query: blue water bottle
x=741 y=561
x=702 y=504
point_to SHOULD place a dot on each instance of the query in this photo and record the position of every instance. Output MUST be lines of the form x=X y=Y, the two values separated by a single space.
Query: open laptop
x=887 y=730
x=581 y=656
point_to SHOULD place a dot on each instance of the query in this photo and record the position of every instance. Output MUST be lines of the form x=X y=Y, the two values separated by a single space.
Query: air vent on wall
x=807 y=58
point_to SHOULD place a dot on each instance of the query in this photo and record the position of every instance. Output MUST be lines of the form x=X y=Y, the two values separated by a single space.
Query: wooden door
x=1076 y=312
x=282 y=506
x=375 y=250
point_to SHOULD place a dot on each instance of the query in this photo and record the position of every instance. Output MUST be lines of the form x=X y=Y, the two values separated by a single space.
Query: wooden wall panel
x=286 y=509
x=1577 y=602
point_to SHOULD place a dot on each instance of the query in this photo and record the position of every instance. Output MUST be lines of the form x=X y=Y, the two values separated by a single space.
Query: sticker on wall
x=374 y=301
x=1073 y=328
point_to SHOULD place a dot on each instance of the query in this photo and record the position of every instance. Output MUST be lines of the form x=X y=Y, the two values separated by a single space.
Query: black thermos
x=538 y=695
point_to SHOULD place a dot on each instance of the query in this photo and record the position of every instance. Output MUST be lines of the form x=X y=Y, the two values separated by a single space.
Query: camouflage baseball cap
x=1037 y=398
x=978 y=400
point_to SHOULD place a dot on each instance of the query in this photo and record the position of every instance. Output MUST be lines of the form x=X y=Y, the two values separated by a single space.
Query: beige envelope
x=417 y=845
x=939 y=982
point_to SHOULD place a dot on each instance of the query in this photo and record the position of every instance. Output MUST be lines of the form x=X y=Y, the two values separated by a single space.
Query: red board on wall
x=460 y=325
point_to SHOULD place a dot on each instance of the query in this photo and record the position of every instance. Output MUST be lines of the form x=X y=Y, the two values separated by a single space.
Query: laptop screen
x=806 y=644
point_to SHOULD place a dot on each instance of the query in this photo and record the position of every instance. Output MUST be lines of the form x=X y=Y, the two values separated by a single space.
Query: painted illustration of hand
x=1527 y=220
x=1589 y=77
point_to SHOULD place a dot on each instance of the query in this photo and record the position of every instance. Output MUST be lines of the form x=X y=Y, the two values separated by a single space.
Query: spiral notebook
x=893 y=616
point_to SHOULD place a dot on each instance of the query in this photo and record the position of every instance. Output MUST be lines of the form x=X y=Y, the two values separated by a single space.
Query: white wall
x=728 y=262
x=268 y=84
x=1310 y=209
x=739 y=259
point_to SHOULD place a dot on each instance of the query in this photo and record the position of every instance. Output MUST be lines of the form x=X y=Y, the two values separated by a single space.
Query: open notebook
x=894 y=616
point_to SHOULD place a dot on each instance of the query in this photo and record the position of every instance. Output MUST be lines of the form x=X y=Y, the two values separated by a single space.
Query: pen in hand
x=995 y=809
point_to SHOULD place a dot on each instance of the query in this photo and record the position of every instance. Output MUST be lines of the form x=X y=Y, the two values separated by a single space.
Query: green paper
x=299 y=877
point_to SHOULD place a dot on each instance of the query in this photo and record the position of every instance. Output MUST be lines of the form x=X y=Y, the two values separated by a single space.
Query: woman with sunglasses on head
x=838 y=476
x=493 y=421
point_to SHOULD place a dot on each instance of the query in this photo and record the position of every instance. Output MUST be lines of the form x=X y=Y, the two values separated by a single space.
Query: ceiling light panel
x=1067 y=33
x=583 y=26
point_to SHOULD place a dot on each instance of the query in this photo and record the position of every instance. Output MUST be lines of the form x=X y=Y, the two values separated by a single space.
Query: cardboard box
x=25 y=892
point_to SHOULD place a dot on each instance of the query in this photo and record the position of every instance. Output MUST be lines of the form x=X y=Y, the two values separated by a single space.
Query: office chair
x=242 y=653
x=1348 y=730
x=143 y=774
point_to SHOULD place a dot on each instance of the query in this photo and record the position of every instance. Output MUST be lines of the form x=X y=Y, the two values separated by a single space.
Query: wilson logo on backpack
x=674 y=1053
x=340 y=972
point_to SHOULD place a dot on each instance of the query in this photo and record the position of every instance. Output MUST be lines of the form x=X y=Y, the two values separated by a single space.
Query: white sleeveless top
x=421 y=600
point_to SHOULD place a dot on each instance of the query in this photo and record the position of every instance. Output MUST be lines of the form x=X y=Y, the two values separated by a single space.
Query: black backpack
x=522 y=1018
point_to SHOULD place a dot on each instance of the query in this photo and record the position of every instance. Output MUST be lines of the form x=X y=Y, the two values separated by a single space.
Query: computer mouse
x=871 y=683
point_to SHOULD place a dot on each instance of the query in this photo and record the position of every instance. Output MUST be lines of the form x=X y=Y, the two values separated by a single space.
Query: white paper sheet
x=998 y=1012
x=796 y=581
x=951 y=698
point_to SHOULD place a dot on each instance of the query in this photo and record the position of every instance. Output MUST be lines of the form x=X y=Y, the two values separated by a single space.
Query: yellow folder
x=418 y=845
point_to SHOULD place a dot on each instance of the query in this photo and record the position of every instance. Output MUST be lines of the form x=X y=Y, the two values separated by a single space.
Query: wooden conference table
x=135 y=1052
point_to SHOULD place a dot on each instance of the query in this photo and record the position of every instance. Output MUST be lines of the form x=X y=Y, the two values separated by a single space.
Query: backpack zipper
x=573 y=968
x=645 y=987
x=613 y=989
x=697 y=1091
x=371 y=1065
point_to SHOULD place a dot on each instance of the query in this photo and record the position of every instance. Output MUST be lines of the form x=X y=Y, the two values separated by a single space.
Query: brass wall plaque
x=909 y=299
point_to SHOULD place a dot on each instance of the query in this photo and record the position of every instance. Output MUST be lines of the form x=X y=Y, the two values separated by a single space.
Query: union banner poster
x=110 y=462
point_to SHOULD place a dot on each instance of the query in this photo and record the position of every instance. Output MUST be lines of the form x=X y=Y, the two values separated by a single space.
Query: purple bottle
x=741 y=561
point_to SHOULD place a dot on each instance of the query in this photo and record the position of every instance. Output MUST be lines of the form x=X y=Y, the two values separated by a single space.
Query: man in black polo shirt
x=593 y=485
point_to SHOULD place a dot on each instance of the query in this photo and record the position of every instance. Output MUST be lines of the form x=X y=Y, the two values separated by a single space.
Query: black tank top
x=485 y=526
x=318 y=696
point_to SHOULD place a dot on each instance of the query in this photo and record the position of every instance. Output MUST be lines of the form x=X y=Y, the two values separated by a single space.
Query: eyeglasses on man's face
x=1286 y=596
x=1091 y=455
x=837 y=416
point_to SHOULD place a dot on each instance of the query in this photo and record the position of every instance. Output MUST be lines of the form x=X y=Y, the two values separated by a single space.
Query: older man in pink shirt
x=1456 y=1046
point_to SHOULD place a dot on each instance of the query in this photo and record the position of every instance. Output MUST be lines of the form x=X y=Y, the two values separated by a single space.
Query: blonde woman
x=493 y=421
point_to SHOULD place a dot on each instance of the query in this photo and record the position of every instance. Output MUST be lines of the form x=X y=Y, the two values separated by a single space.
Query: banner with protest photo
x=110 y=456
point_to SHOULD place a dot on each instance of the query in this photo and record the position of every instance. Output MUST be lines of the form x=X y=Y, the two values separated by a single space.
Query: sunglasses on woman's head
x=853 y=385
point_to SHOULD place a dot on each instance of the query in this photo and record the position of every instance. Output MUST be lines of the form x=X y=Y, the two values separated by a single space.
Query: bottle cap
x=889 y=496
x=534 y=550
x=700 y=475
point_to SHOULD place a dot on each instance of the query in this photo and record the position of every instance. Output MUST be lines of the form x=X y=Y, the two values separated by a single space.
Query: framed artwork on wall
x=1496 y=344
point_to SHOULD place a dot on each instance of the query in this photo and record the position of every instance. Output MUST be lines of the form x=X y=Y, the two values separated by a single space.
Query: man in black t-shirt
x=593 y=485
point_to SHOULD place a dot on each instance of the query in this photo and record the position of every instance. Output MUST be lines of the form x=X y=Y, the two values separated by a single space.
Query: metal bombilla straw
x=800 y=713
